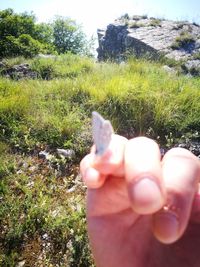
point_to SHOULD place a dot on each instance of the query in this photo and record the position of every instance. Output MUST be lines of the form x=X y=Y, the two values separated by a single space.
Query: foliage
x=38 y=212
x=196 y=55
x=24 y=45
x=144 y=16
x=44 y=33
x=155 y=22
x=125 y=17
x=68 y=36
x=67 y=66
x=21 y=35
x=136 y=25
x=16 y=24
x=138 y=97
x=42 y=215
x=183 y=40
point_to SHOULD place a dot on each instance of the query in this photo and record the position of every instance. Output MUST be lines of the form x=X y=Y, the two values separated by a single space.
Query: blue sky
x=93 y=14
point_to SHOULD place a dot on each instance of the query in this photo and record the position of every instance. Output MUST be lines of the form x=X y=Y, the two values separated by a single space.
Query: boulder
x=20 y=71
x=151 y=38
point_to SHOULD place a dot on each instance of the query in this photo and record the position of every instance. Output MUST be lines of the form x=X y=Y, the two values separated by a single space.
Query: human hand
x=143 y=211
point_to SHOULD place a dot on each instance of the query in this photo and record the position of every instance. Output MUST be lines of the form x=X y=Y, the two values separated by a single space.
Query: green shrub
x=155 y=22
x=125 y=16
x=65 y=66
x=44 y=67
x=24 y=45
x=38 y=210
x=35 y=214
x=137 y=96
x=196 y=55
x=144 y=16
x=28 y=47
x=135 y=25
x=21 y=35
x=183 y=40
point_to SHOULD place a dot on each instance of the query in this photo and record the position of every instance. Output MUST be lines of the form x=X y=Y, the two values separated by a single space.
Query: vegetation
x=42 y=221
x=68 y=36
x=196 y=55
x=42 y=214
x=135 y=25
x=183 y=40
x=78 y=86
x=155 y=22
x=22 y=36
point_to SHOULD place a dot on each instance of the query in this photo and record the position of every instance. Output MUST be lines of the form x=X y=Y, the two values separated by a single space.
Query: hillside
x=153 y=38
x=42 y=215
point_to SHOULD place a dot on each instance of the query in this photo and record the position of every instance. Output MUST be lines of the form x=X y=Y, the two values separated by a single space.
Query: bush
x=69 y=37
x=42 y=208
x=20 y=35
x=65 y=66
x=135 y=25
x=24 y=45
x=155 y=22
x=183 y=41
x=28 y=47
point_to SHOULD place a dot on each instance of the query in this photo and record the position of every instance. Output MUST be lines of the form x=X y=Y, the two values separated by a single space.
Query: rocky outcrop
x=152 y=38
x=17 y=72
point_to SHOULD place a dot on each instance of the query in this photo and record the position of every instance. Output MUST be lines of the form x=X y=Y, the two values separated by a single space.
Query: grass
x=196 y=55
x=42 y=223
x=183 y=40
x=135 y=25
x=40 y=218
x=155 y=22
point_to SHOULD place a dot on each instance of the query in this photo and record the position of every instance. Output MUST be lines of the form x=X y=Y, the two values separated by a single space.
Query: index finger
x=96 y=168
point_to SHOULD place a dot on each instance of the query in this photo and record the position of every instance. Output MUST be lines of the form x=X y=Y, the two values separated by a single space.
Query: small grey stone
x=21 y=263
x=43 y=154
x=67 y=153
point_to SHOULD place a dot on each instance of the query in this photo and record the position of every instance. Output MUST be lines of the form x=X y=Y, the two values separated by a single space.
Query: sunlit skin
x=143 y=211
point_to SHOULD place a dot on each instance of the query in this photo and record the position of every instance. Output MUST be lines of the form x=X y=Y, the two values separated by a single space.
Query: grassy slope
x=40 y=222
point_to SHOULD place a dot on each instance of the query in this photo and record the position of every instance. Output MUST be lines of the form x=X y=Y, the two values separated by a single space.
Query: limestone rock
x=152 y=38
x=20 y=71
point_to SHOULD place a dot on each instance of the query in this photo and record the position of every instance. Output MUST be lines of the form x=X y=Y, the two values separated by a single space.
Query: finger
x=111 y=162
x=91 y=177
x=143 y=175
x=195 y=214
x=180 y=175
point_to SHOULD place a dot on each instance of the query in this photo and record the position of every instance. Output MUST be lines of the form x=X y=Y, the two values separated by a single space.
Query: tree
x=44 y=33
x=24 y=45
x=16 y=24
x=21 y=35
x=68 y=36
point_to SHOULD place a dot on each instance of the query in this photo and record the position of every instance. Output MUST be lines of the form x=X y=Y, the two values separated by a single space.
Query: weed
x=36 y=208
x=41 y=212
x=183 y=41
x=136 y=25
x=155 y=22
x=196 y=55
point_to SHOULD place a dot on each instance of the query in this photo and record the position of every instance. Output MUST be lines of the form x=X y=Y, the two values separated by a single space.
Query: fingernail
x=166 y=226
x=146 y=196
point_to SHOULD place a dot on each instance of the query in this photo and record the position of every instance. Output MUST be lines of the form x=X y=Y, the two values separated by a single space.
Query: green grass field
x=42 y=221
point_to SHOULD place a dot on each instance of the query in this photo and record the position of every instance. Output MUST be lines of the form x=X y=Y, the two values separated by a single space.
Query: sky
x=95 y=14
